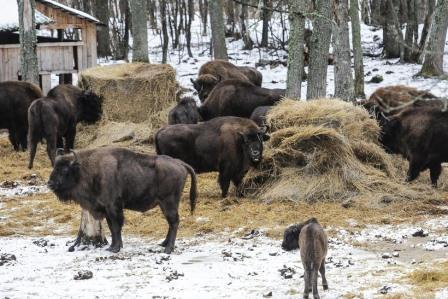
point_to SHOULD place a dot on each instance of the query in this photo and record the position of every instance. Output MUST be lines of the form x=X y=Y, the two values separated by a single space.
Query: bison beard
x=15 y=99
x=419 y=135
x=105 y=181
x=55 y=117
x=229 y=145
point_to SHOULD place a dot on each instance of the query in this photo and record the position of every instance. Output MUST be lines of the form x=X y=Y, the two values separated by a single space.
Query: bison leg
x=314 y=282
x=13 y=138
x=51 y=147
x=60 y=143
x=434 y=171
x=415 y=166
x=322 y=273
x=23 y=140
x=237 y=182
x=70 y=139
x=33 y=148
x=307 y=289
x=224 y=182
x=115 y=220
x=169 y=207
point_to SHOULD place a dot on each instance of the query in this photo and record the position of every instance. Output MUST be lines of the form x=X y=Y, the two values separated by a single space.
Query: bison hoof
x=71 y=248
x=325 y=287
x=168 y=250
x=164 y=243
x=114 y=249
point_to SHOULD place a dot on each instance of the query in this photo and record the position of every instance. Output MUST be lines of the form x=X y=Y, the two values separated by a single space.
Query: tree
x=190 y=9
x=320 y=45
x=266 y=17
x=102 y=13
x=392 y=36
x=248 y=43
x=411 y=36
x=217 y=24
x=343 y=79
x=357 y=50
x=295 y=50
x=90 y=232
x=425 y=31
x=139 y=31
x=203 y=12
x=28 y=41
x=162 y=7
x=433 y=61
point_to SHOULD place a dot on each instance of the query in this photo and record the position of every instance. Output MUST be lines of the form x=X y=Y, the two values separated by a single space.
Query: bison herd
x=225 y=134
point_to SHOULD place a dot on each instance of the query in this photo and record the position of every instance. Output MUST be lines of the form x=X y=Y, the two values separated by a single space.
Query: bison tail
x=193 y=187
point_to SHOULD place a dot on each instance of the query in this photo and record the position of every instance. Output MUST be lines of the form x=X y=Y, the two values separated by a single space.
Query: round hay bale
x=327 y=150
x=136 y=92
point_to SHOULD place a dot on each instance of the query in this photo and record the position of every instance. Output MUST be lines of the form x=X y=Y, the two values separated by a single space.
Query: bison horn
x=74 y=154
x=60 y=152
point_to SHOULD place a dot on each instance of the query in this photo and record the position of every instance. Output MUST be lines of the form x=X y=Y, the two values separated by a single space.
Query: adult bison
x=238 y=98
x=420 y=135
x=55 y=117
x=229 y=145
x=212 y=72
x=185 y=112
x=15 y=99
x=259 y=115
x=105 y=181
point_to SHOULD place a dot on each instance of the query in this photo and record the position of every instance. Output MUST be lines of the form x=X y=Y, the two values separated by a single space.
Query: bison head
x=291 y=237
x=389 y=135
x=204 y=84
x=253 y=144
x=91 y=107
x=65 y=175
x=186 y=112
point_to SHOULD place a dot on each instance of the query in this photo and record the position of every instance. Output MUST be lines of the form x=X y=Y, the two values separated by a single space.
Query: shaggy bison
x=212 y=72
x=55 y=117
x=310 y=237
x=185 y=112
x=105 y=181
x=15 y=99
x=238 y=98
x=420 y=135
x=259 y=115
x=229 y=145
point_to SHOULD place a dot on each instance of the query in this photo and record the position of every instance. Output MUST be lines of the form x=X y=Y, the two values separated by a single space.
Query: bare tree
x=433 y=61
x=426 y=27
x=139 y=31
x=295 y=50
x=357 y=50
x=320 y=45
x=266 y=17
x=248 y=43
x=203 y=11
x=28 y=41
x=90 y=232
x=102 y=13
x=392 y=36
x=217 y=24
x=411 y=36
x=343 y=79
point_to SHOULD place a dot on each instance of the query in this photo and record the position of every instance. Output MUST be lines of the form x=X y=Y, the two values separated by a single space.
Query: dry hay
x=327 y=150
x=430 y=278
x=136 y=92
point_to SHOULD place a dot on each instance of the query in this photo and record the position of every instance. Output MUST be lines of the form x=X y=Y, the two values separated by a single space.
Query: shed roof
x=70 y=10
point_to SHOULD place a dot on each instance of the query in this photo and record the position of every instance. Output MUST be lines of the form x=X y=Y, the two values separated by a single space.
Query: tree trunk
x=152 y=7
x=248 y=43
x=203 y=11
x=217 y=24
x=266 y=17
x=28 y=41
x=140 y=31
x=90 y=232
x=320 y=45
x=392 y=36
x=343 y=79
x=87 y=6
x=190 y=10
x=426 y=27
x=162 y=7
x=102 y=13
x=295 y=51
x=365 y=12
x=230 y=13
x=377 y=9
x=433 y=62
x=410 y=46
x=357 y=50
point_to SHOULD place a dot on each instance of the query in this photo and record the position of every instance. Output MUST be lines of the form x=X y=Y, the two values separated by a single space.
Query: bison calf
x=310 y=237
x=229 y=145
x=105 y=181
x=15 y=99
x=55 y=117
x=185 y=112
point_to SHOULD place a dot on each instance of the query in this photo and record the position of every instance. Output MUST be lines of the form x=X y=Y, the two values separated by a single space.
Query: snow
x=70 y=10
x=9 y=16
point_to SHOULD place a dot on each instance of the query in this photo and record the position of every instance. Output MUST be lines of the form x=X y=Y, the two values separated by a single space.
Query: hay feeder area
x=327 y=150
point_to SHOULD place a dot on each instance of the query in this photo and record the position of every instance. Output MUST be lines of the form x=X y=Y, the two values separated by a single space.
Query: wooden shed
x=66 y=42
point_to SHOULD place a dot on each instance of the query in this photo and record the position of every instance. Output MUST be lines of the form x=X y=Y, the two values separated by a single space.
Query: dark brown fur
x=310 y=237
x=238 y=98
x=55 y=117
x=185 y=112
x=15 y=99
x=212 y=72
x=259 y=115
x=420 y=135
x=229 y=145
x=105 y=181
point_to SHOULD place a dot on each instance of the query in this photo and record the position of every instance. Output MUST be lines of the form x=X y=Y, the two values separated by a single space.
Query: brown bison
x=229 y=145
x=259 y=115
x=310 y=237
x=420 y=135
x=55 y=117
x=105 y=181
x=212 y=72
x=15 y=99
x=185 y=112
x=238 y=98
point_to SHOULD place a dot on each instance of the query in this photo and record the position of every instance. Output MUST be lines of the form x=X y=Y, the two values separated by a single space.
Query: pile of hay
x=137 y=98
x=136 y=92
x=327 y=150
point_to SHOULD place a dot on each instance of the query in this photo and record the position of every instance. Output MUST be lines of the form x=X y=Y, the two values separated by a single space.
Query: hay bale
x=136 y=92
x=327 y=150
